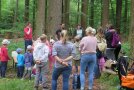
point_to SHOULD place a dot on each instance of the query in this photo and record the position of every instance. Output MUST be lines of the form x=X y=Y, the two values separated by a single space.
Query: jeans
x=65 y=71
x=20 y=71
x=3 y=68
x=28 y=42
x=87 y=60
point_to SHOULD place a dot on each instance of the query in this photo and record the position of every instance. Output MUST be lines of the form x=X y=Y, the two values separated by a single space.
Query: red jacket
x=4 y=54
x=28 y=33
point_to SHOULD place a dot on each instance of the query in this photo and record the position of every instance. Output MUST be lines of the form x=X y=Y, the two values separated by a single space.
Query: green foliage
x=110 y=82
x=126 y=48
x=16 y=84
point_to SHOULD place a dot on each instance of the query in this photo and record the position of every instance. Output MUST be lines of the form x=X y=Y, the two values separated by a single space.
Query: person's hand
x=64 y=63
x=38 y=62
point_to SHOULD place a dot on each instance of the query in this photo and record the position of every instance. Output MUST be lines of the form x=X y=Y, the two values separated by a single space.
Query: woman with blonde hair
x=88 y=46
x=63 y=52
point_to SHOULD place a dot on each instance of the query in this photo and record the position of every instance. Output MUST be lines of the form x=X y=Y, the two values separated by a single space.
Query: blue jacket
x=20 y=60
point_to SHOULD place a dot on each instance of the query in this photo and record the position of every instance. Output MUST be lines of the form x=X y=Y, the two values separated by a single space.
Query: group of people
x=69 y=57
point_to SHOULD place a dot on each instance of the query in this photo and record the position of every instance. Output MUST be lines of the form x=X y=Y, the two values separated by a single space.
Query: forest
x=46 y=15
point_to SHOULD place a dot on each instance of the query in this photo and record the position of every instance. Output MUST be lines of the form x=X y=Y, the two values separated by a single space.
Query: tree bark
x=132 y=28
x=16 y=13
x=0 y=10
x=105 y=13
x=92 y=13
x=54 y=16
x=40 y=18
x=26 y=16
x=84 y=10
x=78 y=10
x=125 y=16
x=66 y=13
x=34 y=10
x=118 y=14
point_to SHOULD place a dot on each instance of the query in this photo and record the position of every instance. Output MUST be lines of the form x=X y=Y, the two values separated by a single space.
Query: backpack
x=115 y=39
x=76 y=81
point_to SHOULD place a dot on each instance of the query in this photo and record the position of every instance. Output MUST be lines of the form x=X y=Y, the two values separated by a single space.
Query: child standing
x=4 y=57
x=40 y=55
x=51 y=58
x=20 y=63
x=76 y=59
x=28 y=58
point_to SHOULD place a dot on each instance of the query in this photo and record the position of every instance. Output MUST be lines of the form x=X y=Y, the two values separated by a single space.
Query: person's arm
x=73 y=53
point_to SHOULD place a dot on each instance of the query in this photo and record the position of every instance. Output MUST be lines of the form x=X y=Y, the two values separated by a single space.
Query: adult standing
x=79 y=31
x=63 y=52
x=88 y=46
x=61 y=27
x=111 y=51
x=28 y=35
x=4 y=57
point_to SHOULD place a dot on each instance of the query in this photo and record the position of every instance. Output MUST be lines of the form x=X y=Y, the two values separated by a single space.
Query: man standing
x=62 y=27
x=28 y=35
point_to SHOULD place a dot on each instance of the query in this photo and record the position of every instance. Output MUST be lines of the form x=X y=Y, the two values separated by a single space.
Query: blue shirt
x=20 y=60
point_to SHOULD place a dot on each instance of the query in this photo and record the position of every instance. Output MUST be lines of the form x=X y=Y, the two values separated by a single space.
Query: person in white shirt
x=40 y=55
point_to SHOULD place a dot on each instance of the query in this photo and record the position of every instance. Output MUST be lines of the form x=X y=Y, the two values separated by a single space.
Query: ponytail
x=64 y=35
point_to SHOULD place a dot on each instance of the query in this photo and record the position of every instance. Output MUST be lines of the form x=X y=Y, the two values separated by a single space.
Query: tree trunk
x=84 y=10
x=132 y=28
x=105 y=13
x=34 y=10
x=0 y=10
x=15 y=13
x=40 y=18
x=46 y=15
x=92 y=13
x=66 y=13
x=26 y=17
x=54 y=16
x=125 y=16
x=118 y=14
x=78 y=10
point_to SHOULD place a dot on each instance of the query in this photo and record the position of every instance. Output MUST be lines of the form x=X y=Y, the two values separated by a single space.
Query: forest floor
x=11 y=74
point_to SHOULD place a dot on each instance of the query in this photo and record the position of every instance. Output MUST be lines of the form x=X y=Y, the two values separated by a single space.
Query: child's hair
x=43 y=37
x=64 y=35
x=77 y=38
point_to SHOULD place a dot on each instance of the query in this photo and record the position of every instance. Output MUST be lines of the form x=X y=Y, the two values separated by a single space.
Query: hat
x=5 y=41
x=29 y=47
x=19 y=50
x=52 y=41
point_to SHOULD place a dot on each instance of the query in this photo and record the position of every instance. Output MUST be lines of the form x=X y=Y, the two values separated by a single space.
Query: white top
x=79 y=32
x=41 y=52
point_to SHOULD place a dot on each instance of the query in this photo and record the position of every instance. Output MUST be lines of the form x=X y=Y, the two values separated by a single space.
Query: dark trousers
x=28 y=42
x=3 y=68
x=117 y=51
x=20 y=71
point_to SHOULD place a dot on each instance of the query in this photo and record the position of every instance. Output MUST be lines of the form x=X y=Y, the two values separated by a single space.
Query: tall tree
x=66 y=13
x=118 y=14
x=132 y=28
x=125 y=16
x=26 y=16
x=84 y=10
x=40 y=18
x=16 y=12
x=92 y=13
x=0 y=10
x=34 y=10
x=54 y=15
x=105 y=13
x=78 y=10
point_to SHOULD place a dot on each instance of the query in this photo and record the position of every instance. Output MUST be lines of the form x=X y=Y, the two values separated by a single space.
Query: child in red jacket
x=4 y=57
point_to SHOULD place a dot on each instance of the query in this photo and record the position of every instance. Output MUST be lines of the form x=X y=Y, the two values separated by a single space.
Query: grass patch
x=16 y=84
